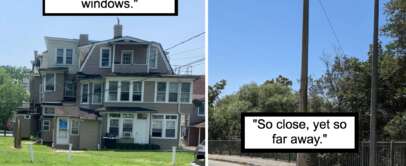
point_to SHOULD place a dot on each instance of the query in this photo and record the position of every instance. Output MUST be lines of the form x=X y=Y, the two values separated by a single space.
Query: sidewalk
x=244 y=160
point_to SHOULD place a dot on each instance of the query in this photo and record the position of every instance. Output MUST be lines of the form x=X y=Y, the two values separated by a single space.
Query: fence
x=389 y=153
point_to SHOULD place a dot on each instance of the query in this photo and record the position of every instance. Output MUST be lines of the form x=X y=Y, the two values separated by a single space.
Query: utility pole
x=302 y=158
x=374 y=77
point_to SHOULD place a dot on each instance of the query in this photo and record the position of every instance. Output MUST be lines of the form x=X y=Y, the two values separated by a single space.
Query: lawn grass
x=46 y=156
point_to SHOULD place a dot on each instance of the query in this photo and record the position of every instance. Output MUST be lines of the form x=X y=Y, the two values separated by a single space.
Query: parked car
x=200 y=151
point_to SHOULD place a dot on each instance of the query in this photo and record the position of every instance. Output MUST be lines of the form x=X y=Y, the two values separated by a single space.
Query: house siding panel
x=149 y=91
x=57 y=95
x=89 y=134
x=92 y=65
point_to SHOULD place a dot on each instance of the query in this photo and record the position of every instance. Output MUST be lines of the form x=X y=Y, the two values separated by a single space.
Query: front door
x=62 y=132
x=141 y=127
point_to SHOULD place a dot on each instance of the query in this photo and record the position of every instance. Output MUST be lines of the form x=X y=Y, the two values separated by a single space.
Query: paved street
x=244 y=160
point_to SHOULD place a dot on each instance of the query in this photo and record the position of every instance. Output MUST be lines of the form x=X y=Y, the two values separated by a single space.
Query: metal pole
x=374 y=77
x=301 y=157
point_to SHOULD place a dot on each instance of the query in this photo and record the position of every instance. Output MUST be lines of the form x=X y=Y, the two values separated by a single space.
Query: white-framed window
x=112 y=90
x=69 y=56
x=74 y=130
x=113 y=124
x=127 y=129
x=59 y=55
x=153 y=58
x=48 y=111
x=97 y=93
x=126 y=57
x=137 y=91
x=164 y=126
x=161 y=92
x=45 y=125
x=105 y=57
x=69 y=89
x=64 y=56
x=49 y=82
x=186 y=92
x=125 y=91
x=84 y=99
x=173 y=92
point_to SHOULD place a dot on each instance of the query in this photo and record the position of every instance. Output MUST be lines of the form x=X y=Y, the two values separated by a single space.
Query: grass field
x=46 y=156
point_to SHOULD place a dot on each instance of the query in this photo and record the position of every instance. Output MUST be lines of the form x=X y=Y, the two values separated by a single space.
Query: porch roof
x=127 y=109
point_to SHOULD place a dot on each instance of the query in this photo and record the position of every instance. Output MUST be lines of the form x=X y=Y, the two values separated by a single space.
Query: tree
x=395 y=26
x=12 y=95
x=215 y=91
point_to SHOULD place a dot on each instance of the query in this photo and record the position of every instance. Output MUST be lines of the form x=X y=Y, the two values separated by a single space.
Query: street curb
x=236 y=162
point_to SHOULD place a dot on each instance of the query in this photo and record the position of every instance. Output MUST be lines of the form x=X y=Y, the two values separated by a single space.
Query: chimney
x=118 y=29
x=83 y=39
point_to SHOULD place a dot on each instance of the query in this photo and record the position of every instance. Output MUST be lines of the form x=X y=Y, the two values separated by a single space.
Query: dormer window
x=64 y=56
x=153 y=58
x=105 y=57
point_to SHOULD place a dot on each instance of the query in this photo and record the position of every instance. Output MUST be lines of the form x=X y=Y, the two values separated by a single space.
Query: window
x=113 y=129
x=126 y=57
x=50 y=82
x=185 y=92
x=127 y=127
x=125 y=91
x=69 y=89
x=153 y=57
x=113 y=90
x=74 y=127
x=143 y=116
x=200 y=109
x=164 y=126
x=161 y=92
x=69 y=56
x=105 y=57
x=97 y=93
x=45 y=125
x=157 y=125
x=137 y=91
x=85 y=93
x=59 y=56
x=173 y=92
x=27 y=116
x=50 y=111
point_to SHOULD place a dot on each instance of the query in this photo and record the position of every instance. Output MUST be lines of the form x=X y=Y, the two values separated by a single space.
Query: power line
x=185 y=41
x=186 y=51
x=331 y=25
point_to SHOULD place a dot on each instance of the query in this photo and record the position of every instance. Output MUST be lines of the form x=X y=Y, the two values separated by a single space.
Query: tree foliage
x=12 y=95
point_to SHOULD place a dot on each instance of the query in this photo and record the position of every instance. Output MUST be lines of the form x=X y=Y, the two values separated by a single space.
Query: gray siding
x=89 y=134
x=164 y=143
x=57 y=95
x=93 y=62
x=149 y=91
x=34 y=89
x=161 y=68
x=159 y=107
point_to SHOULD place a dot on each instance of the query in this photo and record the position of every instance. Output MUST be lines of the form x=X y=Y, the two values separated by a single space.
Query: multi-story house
x=122 y=88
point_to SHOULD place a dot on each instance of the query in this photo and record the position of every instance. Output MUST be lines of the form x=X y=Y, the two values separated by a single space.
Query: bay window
x=113 y=90
x=125 y=91
x=185 y=92
x=137 y=91
x=164 y=126
x=161 y=92
x=173 y=92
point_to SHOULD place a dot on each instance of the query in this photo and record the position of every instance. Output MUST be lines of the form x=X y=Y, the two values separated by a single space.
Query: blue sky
x=22 y=29
x=252 y=41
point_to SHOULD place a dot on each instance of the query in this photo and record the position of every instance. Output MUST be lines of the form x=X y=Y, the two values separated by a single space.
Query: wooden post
x=17 y=135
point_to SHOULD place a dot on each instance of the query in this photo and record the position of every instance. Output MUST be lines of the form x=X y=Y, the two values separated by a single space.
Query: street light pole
x=374 y=77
